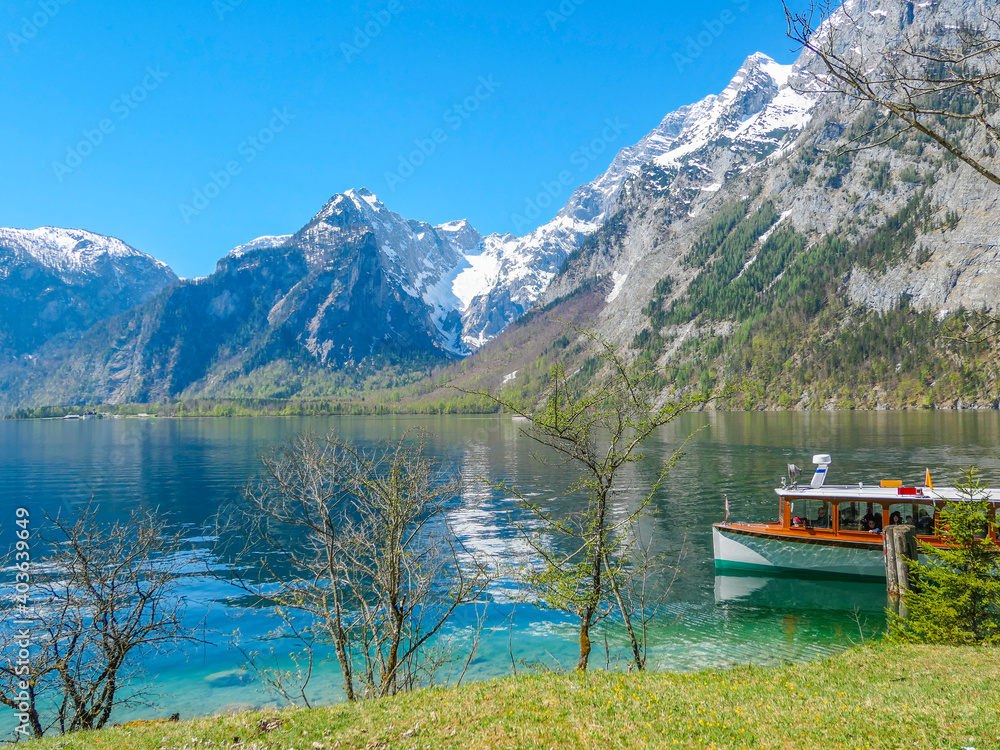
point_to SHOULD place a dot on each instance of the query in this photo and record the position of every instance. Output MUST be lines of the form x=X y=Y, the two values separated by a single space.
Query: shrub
x=956 y=597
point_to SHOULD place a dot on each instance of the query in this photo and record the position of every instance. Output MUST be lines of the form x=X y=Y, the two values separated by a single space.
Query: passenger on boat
x=822 y=518
x=872 y=527
x=896 y=518
x=924 y=523
x=909 y=520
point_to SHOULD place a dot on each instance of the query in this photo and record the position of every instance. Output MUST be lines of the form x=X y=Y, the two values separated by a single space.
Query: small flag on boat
x=927 y=480
x=726 y=498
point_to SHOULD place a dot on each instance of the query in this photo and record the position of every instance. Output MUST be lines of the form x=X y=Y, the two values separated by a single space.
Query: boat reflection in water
x=794 y=593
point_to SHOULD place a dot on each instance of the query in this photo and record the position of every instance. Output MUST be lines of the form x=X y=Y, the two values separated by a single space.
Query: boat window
x=798 y=512
x=811 y=514
x=871 y=517
x=903 y=513
x=850 y=516
x=803 y=511
x=924 y=520
x=824 y=516
x=854 y=516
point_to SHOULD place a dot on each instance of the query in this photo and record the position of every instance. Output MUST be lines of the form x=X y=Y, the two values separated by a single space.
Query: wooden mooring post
x=900 y=545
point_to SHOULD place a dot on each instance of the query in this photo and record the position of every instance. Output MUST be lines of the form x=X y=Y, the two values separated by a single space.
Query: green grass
x=883 y=696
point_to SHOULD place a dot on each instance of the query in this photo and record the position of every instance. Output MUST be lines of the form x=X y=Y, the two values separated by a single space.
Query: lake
x=189 y=467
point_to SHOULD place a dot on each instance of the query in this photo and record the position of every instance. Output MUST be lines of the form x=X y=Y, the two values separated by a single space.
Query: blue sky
x=189 y=127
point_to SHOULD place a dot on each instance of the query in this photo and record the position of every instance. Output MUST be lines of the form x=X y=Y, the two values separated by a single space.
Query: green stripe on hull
x=770 y=571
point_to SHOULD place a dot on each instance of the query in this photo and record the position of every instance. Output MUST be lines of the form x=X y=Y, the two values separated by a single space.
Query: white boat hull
x=771 y=554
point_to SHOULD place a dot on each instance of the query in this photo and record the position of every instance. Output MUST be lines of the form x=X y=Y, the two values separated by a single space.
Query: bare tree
x=359 y=541
x=643 y=580
x=104 y=600
x=937 y=79
x=292 y=684
x=584 y=560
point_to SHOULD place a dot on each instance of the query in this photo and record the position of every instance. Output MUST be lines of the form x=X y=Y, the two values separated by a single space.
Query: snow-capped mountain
x=418 y=261
x=361 y=283
x=776 y=243
x=449 y=272
x=54 y=281
x=261 y=243
x=489 y=282
x=759 y=111
x=69 y=251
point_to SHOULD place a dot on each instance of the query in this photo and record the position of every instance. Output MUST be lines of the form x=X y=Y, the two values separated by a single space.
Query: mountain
x=57 y=282
x=762 y=247
x=360 y=284
x=358 y=289
x=745 y=239
x=757 y=112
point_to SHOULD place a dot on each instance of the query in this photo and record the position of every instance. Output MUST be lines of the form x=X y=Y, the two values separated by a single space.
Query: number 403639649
x=22 y=556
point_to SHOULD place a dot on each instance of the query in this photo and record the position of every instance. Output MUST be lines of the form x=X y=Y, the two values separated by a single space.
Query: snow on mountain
x=491 y=281
x=463 y=288
x=261 y=243
x=461 y=234
x=69 y=250
x=757 y=109
x=61 y=281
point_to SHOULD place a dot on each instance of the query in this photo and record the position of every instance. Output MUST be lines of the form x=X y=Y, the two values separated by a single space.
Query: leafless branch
x=365 y=550
x=936 y=79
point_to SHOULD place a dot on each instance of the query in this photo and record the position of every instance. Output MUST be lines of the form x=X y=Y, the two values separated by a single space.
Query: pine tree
x=956 y=596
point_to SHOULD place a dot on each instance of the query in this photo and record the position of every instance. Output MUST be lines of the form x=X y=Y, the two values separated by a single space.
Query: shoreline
x=238 y=413
x=886 y=695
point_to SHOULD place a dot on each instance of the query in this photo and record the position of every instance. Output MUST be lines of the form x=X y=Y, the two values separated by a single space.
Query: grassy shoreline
x=880 y=696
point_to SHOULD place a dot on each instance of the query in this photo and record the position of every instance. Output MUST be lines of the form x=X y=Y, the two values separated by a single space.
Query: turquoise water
x=188 y=468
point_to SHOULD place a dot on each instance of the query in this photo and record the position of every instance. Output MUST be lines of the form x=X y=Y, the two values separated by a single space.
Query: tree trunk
x=340 y=645
x=33 y=718
x=340 y=635
x=392 y=662
x=640 y=663
x=584 y=643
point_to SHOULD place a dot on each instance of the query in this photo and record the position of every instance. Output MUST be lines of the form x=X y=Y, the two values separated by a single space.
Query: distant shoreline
x=255 y=408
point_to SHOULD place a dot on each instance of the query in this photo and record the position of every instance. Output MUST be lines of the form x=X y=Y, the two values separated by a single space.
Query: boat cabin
x=858 y=511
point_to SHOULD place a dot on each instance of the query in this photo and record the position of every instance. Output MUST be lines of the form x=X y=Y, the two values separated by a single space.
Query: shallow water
x=188 y=468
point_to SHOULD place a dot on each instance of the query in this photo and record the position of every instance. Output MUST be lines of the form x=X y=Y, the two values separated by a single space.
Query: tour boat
x=823 y=531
